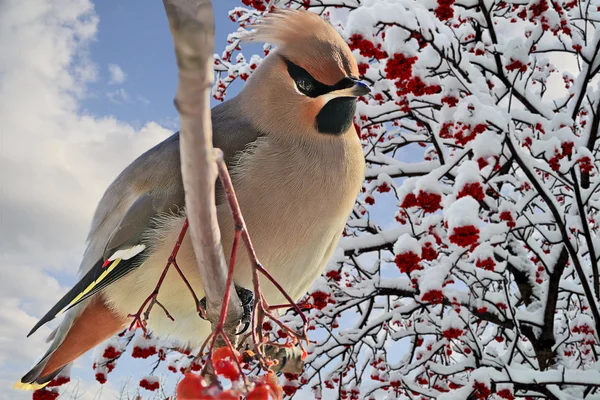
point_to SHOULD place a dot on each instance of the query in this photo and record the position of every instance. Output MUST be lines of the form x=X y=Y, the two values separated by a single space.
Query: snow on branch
x=469 y=268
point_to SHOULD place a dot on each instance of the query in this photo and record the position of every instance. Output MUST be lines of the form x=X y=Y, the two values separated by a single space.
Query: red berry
x=190 y=387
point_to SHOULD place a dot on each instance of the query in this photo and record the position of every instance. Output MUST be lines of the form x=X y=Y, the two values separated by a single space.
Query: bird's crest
x=308 y=40
x=283 y=26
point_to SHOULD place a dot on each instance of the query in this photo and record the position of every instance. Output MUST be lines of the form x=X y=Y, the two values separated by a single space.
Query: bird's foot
x=247 y=298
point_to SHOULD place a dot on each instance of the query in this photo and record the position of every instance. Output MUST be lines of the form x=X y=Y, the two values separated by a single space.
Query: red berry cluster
x=111 y=353
x=446 y=130
x=444 y=10
x=474 y=190
x=384 y=187
x=464 y=134
x=481 y=391
x=101 y=377
x=149 y=385
x=585 y=164
x=566 y=151
x=45 y=394
x=465 y=236
x=192 y=386
x=399 y=67
x=410 y=200
x=584 y=329
x=434 y=296
x=417 y=87
x=225 y=363
x=516 y=65
x=506 y=394
x=408 y=262
x=487 y=263
x=428 y=252
x=538 y=8
x=429 y=202
x=453 y=385
x=362 y=68
x=508 y=217
x=59 y=381
x=320 y=299
x=260 y=5
x=139 y=352
x=334 y=275
x=450 y=100
x=289 y=390
x=452 y=333
x=366 y=48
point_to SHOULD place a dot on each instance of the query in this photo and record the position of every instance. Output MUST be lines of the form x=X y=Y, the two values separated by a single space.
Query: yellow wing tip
x=108 y=270
x=29 y=386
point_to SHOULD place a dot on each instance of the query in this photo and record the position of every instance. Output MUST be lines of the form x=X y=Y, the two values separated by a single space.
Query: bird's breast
x=295 y=203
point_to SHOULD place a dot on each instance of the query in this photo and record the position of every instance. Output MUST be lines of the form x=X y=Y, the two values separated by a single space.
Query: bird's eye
x=304 y=85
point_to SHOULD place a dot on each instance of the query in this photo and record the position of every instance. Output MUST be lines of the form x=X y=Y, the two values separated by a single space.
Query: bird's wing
x=149 y=186
x=125 y=251
x=117 y=246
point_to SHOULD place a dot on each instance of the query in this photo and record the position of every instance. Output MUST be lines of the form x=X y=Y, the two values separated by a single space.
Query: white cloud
x=142 y=100
x=119 y=96
x=55 y=163
x=117 y=75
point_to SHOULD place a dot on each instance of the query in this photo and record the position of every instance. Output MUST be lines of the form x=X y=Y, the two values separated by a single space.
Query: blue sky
x=135 y=36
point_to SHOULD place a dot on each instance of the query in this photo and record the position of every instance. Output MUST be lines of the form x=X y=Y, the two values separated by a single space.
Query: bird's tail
x=84 y=327
x=34 y=381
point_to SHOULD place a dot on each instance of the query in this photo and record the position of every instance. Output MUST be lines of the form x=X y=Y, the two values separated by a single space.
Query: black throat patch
x=336 y=116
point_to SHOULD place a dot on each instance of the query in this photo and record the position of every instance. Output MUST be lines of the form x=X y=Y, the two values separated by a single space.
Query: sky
x=84 y=89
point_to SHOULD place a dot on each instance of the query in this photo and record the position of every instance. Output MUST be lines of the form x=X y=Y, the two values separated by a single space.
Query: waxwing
x=297 y=166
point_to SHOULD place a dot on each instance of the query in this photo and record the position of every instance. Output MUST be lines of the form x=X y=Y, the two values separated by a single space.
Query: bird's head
x=309 y=84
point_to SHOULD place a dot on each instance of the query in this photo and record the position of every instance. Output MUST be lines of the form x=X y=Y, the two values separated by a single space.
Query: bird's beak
x=357 y=89
x=360 y=89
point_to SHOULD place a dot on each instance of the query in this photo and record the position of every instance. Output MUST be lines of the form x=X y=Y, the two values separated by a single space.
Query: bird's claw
x=247 y=298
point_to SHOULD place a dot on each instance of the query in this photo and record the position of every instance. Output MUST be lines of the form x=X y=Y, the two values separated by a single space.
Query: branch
x=545 y=346
x=192 y=28
x=589 y=294
x=586 y=228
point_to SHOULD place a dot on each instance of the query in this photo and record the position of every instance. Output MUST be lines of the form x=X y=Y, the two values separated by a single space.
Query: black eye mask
x=315 y=88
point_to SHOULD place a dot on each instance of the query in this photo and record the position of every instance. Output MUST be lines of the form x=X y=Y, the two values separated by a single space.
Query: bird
x=297 y=166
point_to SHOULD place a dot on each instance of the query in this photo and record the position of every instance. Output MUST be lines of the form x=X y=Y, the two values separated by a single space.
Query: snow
x=429 y=183
x=395 y=39
x=370 y=241
x=463 y=212
x=486 y=145
x=433 y=278
x=405 y=244
x=468 y=172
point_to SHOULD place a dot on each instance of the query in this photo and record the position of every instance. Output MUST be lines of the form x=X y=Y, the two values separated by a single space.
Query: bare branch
x=192 y=28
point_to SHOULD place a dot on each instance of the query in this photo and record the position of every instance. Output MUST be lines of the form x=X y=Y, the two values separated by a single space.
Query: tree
x=469 y=268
